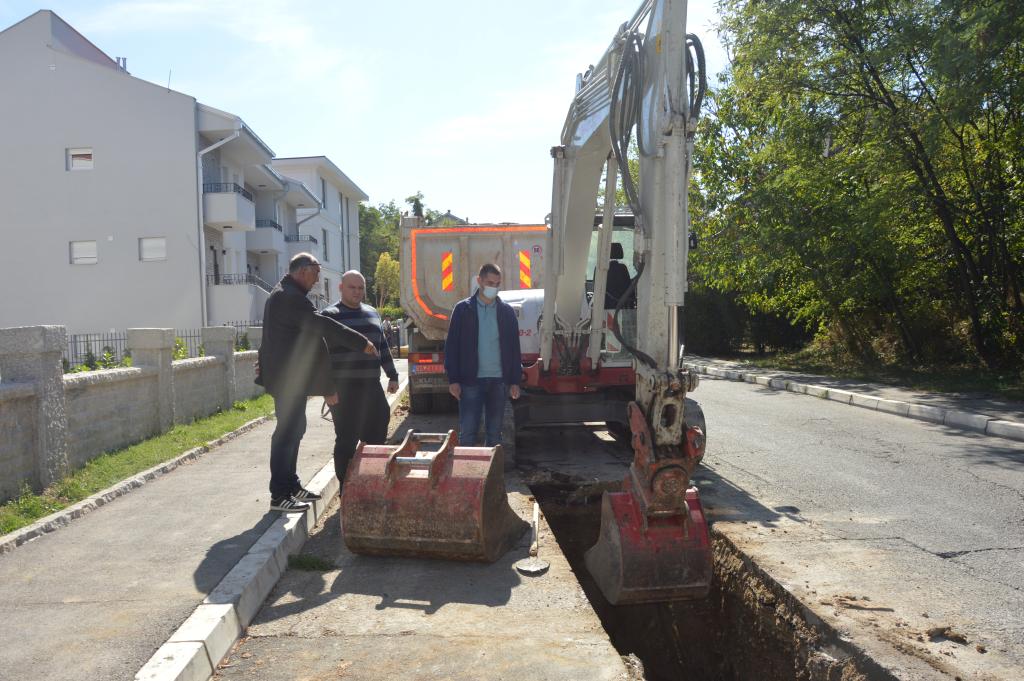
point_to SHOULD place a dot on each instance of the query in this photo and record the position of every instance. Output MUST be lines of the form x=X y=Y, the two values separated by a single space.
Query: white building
x=126 y=204
x=333 y=227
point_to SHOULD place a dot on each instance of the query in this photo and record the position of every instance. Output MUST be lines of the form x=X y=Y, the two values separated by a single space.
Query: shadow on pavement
x=403 y=583
x=223 y=555
x=725 y=502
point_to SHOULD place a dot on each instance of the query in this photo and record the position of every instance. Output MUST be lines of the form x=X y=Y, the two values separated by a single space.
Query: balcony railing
x=226 y=188
x=300 y=237
x=269 y=224
x=234 y=279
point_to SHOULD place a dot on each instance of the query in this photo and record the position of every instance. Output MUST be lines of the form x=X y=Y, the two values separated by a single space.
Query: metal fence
x=93 y=348
x=191 y=344
x=242 y=329
x=105 y=350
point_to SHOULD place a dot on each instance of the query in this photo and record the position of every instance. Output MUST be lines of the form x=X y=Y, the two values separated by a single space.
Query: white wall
x=143 y=184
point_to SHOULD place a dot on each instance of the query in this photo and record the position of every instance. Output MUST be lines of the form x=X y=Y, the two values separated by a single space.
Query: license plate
x=427 y=368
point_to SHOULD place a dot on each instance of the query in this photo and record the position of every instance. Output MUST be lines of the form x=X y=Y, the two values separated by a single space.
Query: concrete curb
x=61 y=518
x=194 y=650
x=954 y=418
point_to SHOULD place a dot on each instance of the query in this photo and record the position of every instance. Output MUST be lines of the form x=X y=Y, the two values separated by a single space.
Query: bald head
x=352 y=288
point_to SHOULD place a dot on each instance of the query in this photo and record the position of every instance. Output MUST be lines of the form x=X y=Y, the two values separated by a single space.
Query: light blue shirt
x=488 y=346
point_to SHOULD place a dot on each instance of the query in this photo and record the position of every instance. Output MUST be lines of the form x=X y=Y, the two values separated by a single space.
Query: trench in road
x=748 y=627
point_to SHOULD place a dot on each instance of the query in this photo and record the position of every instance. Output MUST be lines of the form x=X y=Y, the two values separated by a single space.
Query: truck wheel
x=420 y=403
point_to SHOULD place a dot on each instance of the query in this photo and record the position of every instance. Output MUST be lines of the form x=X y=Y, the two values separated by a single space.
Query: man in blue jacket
x=482 y=358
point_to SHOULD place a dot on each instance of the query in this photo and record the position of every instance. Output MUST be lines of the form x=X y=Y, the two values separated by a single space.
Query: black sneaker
x=287 y=505
x=303 y=494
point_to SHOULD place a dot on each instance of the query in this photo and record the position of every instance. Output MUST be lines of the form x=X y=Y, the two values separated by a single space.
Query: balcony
x=301 y=243
x=227 y=205
x=267 y=237
x=268 y=224
x=236 y=280
x=231 y=295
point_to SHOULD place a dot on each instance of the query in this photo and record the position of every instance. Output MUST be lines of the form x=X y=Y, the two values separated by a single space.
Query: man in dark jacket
x=362 y=411
x=482 y=358
x=293 y=365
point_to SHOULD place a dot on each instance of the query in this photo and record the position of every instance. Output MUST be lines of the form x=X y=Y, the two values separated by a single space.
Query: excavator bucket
x=447 y=503
x=640 y=559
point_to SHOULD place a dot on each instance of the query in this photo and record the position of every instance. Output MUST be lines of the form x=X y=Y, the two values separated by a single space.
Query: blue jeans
x=487 y=397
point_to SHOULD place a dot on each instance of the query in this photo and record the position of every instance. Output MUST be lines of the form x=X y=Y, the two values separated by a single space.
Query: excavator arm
x=650 y=82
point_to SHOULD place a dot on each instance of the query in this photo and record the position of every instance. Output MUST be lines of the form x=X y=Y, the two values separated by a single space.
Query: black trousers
x=361 y=413
x=284 y=444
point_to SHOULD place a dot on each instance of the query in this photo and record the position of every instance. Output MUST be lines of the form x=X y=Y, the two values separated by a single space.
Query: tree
x=378 y=233
x=386 y=279
x=416 y=203
x=863 y=171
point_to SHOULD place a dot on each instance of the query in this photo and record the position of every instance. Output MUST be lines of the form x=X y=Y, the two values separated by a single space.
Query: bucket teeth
x=664 y=559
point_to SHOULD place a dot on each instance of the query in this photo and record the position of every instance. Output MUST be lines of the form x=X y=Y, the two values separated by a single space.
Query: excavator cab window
x=620 y=266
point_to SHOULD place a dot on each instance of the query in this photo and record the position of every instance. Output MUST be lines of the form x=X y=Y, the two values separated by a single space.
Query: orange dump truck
x=439 y=268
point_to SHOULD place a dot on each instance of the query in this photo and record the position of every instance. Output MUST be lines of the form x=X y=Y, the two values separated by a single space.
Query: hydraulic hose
x=625 y=110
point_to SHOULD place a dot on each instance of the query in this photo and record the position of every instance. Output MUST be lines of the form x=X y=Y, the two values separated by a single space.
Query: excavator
x=654 y=542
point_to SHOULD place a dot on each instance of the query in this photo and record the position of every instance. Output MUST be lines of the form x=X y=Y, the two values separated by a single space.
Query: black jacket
x=293 y=357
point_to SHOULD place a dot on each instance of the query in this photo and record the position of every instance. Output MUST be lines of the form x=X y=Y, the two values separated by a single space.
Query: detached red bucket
x=448 y=503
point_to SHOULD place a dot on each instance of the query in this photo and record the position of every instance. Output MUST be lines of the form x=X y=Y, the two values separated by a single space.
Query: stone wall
x=245 y=374
x=108 y=410
x=17 y=437
x=51 y=423
x=197 y=392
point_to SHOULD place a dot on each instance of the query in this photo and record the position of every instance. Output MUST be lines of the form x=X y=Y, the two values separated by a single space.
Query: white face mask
x=490 y=292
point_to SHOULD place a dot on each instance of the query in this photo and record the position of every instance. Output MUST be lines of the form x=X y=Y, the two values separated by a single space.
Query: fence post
x=219 y=342
x=32 y=354
x=255 y=334
x=154 y=348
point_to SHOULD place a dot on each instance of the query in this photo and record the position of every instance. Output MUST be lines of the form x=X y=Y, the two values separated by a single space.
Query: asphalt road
x=884 y=527
x=928 y=519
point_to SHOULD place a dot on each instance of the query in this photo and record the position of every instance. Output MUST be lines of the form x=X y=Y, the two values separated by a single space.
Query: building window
x=79 y=159
x=327 y=289
x=152 y=248
x=326 y=252
x=323 y=191
x=83 y=253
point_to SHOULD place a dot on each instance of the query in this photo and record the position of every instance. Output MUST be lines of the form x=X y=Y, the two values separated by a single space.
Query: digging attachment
x=654 y=543
x=662 y=559
x=449 y=503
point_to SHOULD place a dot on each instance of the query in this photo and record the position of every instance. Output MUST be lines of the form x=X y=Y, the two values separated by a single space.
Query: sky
x=458 y=99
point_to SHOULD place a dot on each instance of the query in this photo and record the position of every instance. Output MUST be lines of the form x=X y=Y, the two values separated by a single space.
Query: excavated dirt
x=748 y=628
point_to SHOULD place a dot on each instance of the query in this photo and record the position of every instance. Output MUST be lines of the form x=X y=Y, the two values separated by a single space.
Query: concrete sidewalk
x=94 y=600
x=979 y=413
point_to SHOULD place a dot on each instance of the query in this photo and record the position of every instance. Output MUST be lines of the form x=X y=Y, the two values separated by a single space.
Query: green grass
x=305 y=561
x=111 y=468
x=943 y=379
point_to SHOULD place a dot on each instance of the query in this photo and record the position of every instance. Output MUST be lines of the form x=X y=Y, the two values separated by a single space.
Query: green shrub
x=390 y=312
x=180 y=349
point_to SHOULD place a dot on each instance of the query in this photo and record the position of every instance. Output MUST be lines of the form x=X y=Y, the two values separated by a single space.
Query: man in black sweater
x=361 y=412
x=292 y=366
